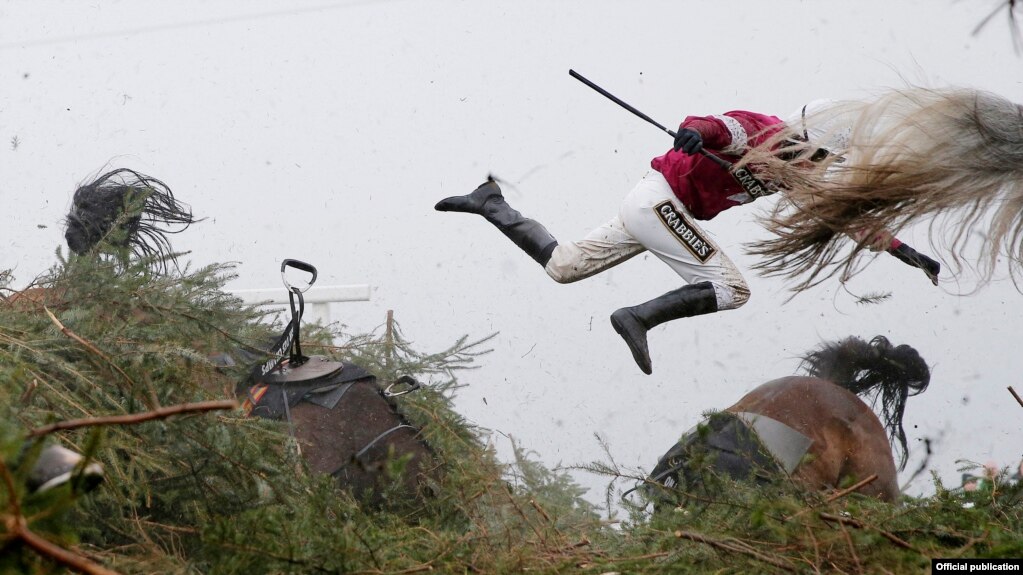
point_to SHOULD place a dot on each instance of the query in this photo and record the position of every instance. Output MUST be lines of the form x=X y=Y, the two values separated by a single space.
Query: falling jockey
x=661 y=215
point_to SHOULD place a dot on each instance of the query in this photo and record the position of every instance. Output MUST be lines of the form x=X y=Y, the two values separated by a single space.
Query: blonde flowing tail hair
x=952 y=157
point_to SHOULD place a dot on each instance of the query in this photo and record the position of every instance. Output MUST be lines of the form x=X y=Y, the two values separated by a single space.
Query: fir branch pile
x=213 y=491
x=219 y=492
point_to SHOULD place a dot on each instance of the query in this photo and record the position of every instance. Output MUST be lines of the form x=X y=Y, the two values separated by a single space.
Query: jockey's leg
x=487 y=201
x=653 y=215
x=604 y=247
x=632 y=323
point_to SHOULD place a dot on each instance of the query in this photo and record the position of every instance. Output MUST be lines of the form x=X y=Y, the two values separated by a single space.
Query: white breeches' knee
x=654 y=217
x=604 y=247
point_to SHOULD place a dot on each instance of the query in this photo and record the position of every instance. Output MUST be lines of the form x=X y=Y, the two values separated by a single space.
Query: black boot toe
x=471 y=203
x=452 y=204
x=634 y=333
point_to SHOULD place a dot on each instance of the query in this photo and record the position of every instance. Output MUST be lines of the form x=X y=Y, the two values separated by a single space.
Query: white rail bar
x=317 y=298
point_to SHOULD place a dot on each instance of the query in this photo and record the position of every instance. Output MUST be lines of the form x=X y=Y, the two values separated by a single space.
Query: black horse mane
x=890 y=373
x=129 y=210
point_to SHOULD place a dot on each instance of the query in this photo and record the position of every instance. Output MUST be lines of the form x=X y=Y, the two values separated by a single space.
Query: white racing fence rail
x=317 y=298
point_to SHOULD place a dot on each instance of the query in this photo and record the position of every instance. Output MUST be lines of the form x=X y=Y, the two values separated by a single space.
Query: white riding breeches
x=651 y=218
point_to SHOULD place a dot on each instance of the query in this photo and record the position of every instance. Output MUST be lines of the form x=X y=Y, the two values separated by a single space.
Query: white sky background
x=326 y=131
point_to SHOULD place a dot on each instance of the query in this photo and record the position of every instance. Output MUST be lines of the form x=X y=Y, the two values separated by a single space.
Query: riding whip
x=756 y=188
x=752 y=186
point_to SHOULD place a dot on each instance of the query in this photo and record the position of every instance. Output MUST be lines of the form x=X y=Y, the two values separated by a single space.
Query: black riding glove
x=914 y=258
x=688 y=141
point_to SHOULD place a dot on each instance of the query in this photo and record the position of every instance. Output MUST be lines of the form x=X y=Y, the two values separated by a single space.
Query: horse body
x=346 y=426
x=849 y=442
x=814 y=427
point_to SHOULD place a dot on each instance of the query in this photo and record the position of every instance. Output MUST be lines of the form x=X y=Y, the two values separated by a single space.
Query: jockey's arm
x=880 y=241
x=730 y=133
x=884 y=241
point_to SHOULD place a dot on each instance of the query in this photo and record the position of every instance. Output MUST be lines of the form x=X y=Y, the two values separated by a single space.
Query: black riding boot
x=487 y=201
x=633 y=322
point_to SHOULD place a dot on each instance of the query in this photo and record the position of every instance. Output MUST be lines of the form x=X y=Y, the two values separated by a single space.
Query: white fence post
x=317 y=298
